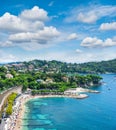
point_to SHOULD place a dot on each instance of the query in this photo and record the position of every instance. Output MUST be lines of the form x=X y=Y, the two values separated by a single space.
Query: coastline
x=17 y=117
x=19 y=120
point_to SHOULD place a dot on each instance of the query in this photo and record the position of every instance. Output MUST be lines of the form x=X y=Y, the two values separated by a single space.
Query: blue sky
x=65 y=30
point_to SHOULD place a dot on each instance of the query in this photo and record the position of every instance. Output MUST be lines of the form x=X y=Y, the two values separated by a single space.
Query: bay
x=97 y=112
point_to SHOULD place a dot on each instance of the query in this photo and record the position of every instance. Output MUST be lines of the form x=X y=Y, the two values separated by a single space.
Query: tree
x=9 y=110
x=3 y=69
x=13 y=72
x=25 y=86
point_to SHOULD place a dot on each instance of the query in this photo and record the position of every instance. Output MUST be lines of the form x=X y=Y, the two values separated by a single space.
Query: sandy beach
x=19 y=120
x=15 y=120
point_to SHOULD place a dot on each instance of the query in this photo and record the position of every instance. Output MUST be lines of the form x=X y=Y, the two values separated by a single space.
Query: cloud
x=13 y=24
x=74 y=57
x=95 y=42
x=91 y=42
x=34 y=46
x=34 y=14
x=41 y=36
x=89 y=17
x=94 y=56
x=28 y=27
x=79 y=51
x=108 y=26
x=72 y=36
x=90 y=14
x=5 y=57
x=6 y=44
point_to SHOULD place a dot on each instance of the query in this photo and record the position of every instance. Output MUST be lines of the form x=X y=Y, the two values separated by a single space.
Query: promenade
x=3 y=96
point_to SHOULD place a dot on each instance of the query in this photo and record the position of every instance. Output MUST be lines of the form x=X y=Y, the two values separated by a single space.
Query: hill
x=63 y=67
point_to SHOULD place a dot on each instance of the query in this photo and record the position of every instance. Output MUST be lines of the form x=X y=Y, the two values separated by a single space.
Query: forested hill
x=99 y=67
x=57 y=66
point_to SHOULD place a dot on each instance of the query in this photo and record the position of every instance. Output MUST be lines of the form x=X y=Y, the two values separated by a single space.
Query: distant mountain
x=57 y=66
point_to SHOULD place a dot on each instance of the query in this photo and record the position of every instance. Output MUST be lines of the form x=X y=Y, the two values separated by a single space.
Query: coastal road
x=2 y=125
x=6 y=93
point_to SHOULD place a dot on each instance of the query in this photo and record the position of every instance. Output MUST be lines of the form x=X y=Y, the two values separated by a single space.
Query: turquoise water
x=98 y=112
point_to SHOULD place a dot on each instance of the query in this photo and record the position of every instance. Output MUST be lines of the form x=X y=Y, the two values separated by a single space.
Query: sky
x=73 y=31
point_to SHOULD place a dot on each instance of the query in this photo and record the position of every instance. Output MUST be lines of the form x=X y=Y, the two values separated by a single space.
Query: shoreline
x=17 y=117
x=19 y=120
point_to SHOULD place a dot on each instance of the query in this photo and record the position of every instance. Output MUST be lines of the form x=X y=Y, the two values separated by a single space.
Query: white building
x=9 y=76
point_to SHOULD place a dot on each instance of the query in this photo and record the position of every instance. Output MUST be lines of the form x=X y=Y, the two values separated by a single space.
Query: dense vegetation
x=44 y=81
x=99 y=67
x=6 y=83
x=62 y=67
x=53 y=75
x=10 y=102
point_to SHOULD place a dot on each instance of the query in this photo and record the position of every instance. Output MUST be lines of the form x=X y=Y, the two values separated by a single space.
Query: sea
x=97 y=112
